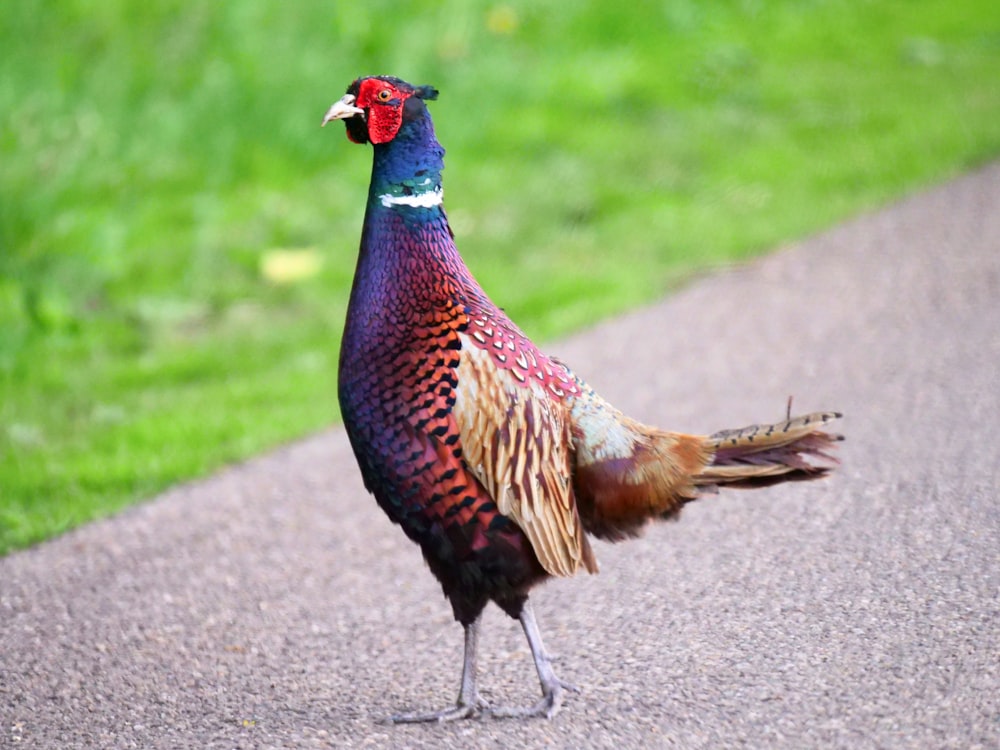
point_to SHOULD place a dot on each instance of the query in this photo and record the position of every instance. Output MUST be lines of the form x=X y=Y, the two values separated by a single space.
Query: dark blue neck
x=407 y=259
x=411 y=163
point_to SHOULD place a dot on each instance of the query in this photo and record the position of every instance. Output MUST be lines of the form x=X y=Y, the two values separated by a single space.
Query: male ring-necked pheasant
x=493 y=457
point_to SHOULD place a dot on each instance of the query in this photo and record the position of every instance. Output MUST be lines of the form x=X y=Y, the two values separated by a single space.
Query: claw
x=548 y=706
x=458 y=711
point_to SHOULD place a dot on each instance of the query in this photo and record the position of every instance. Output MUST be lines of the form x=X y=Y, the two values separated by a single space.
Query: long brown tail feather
x=626 y=473
x=760 y=455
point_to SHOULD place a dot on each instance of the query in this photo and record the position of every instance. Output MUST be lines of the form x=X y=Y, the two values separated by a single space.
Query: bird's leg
x=469 y=703
x=553 y=688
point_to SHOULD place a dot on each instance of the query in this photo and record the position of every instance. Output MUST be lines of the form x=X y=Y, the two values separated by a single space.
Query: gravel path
x=273 y=605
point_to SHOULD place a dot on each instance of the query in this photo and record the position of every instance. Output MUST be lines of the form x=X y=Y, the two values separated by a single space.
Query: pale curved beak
x=342 y=109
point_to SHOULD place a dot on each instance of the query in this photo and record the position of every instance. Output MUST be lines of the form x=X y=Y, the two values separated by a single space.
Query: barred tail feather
x=759 y=455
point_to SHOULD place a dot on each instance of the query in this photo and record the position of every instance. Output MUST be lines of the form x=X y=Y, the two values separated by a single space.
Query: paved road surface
x=274 y=606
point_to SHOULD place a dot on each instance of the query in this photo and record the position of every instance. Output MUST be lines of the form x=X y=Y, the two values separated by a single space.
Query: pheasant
x=497 y=460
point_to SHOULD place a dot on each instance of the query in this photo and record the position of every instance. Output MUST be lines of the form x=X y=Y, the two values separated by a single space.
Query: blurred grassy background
x=177 y=235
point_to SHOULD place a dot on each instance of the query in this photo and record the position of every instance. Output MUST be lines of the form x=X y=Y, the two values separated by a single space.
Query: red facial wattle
x=383 y=104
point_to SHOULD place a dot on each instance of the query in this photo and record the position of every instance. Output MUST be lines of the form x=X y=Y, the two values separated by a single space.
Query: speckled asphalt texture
x=273 y=605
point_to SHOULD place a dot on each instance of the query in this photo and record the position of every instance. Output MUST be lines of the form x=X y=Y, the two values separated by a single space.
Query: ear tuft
x=429 y=93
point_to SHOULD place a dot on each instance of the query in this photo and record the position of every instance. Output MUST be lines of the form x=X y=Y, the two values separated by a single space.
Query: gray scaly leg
x=469 y=703
x=553 y=689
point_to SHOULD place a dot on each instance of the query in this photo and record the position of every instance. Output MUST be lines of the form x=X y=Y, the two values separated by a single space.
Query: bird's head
x=374 y=108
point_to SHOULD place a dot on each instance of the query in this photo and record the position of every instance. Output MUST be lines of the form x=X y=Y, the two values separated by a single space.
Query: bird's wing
x=516 y=440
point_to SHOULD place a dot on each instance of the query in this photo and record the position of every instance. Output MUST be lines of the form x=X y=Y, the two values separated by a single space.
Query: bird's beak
x=342 y=109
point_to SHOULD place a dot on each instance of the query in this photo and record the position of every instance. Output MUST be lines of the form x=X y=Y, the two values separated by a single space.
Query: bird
x=497 y=460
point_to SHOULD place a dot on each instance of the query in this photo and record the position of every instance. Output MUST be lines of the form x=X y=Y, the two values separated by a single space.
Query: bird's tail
x=627 y=473
x=762 y=454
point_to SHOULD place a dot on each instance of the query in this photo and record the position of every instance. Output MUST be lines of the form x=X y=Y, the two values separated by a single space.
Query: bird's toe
x=548 y=706
x=460 y=710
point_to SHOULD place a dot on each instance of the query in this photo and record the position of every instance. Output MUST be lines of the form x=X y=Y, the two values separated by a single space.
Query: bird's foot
x=548 y=706
x=461 y=710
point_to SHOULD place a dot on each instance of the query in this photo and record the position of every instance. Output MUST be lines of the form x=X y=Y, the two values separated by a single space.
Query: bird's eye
x=384 y=95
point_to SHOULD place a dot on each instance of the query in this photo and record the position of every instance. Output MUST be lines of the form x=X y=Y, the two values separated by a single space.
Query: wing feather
x=516 y=439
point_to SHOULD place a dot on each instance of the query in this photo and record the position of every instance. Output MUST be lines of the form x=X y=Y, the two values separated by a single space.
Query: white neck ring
x=418 y=200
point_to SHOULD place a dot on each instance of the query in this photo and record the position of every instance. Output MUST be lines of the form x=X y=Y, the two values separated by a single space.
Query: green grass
x=153 y=154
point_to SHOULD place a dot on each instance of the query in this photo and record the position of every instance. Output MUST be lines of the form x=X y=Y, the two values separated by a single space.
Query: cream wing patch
x=516 y=440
